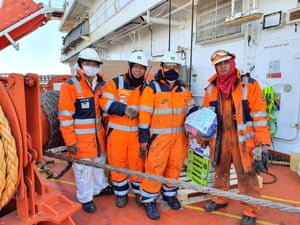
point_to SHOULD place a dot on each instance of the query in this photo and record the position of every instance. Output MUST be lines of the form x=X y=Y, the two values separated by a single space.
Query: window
x=211 y=16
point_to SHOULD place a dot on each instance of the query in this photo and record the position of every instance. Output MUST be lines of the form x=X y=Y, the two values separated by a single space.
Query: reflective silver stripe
x=108 y=104
x=146 y=108
x=243 y=138
x=162 y=111
x=66 y=123
x=86 y=121
x=170 y=111
x=144 y=126
x=169 y=191
x=260 y=123
x=120 y=184
x=244 y=126
x=166 y=130
x=121 y=193
x=258 y=114
x=209 y=89
x=65 y=113
x=86 y=131
x=166 y=188
x=123 y=128
x=134 y=107
x=245 y=87
x=148 y=197
x=121 y=82
x=77 y=85
x=108 y=95
x=157 y=87
x=137 y=185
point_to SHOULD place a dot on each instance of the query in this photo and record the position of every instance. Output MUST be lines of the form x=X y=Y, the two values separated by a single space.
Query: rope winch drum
x=8 y=161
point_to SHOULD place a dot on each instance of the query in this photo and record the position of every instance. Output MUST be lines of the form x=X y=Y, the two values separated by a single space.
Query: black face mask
x=135 y=81
x=171 y=75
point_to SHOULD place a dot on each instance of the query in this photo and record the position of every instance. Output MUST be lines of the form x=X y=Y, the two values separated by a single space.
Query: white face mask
x=91 y=71
x=171 y=82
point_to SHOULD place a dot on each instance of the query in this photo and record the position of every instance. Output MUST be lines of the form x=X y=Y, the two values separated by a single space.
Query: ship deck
x=285 y=190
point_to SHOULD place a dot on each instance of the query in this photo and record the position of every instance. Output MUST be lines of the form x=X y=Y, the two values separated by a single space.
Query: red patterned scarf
x=226 y=82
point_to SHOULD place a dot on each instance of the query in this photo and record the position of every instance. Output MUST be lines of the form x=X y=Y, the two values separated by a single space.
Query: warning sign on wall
x=274 y=69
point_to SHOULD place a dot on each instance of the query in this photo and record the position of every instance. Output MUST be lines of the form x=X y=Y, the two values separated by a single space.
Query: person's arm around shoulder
x=109 y=100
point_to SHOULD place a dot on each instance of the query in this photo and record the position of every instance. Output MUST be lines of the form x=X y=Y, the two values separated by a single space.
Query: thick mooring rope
x=212 y=191
x=49 y=102
x=8 y=162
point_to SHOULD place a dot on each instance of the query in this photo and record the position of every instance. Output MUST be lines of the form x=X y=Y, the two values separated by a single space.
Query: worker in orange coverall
x=81 y=127
x=121 y=99
x=165 y=103
x=243 y=134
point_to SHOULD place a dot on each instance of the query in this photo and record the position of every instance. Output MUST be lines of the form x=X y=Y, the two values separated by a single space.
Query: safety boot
x=248 y=220
x=105 y=191
x=173 y=202
x=138 y=200
x=121 y=201
x=212 y=206
x=89 y=207
x=151 y=210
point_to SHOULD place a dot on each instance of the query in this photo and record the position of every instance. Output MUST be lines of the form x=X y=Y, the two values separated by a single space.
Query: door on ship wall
x=278 y=66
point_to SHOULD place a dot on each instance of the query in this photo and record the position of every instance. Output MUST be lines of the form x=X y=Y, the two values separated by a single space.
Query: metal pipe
x=160 y=21
x=253 y=4
x=232 y=8
x=9 y=38
x=191 y=45
x=169 y=41
x=178 y=9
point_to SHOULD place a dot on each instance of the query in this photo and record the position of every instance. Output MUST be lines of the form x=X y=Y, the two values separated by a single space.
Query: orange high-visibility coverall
x=80 y=116
x=244 y=126
x=81 y=123
x=161 y=125
x=122 y=134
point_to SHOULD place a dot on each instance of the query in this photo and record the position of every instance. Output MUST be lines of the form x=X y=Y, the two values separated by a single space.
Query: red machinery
x=24 y=198
x=31 y=201
x=19 y=18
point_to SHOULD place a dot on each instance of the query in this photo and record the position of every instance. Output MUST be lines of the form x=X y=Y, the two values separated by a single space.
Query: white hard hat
x=171 y=57
x=138 y=57
x=90 y=54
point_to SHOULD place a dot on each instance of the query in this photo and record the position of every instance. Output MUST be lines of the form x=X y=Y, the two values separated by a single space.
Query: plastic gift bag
x=202 y=123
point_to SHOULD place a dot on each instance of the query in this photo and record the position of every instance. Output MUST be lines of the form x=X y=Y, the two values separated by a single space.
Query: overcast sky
x=39 y=52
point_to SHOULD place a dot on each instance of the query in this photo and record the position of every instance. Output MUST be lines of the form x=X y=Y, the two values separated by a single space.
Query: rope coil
x=8 y=162
x=212 y=191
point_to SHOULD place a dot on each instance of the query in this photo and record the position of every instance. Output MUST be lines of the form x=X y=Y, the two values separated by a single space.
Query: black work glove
x=265 y=158
x=131 y=112
x=260 y=160
x=72 y=149
x=143 y=149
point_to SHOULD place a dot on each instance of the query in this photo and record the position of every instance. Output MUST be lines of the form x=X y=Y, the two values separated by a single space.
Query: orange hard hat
x=220 y=56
